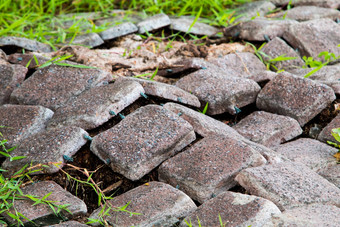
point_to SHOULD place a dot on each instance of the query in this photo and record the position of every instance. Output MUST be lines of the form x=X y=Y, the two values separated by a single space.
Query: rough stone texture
x=165 y=91
x=92 y=108
x=23 y=59
x=288 y=185
x=42 y=214
x=255 y=30
x=11 y=77
x=25 y=43
x=268 y=129
x=223 y=92
x=47 y=148
x=159 y=205
x=296 y=97
x=321 y=3
x=118 y=31
x=153 y=23
x=313 y=37
x=69 y=224
x=235 y=209
x=22 y=121
x=54 y=85
x=142 y=140
x=90 y=40
x=208 y=167
x=332 y=174
x=277 y=47
x=313 y=215
x=183 y=24
x=304 y=13
x=253 y=9
x=326 y=133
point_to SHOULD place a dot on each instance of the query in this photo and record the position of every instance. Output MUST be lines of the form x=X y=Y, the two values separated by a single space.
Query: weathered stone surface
x=47 y=148
x=235 y=209
x=313 y=37
x=69 y=224
x=92 y=108
x=277 y=47
x=142 y=140
x=11 y=77
x=326 y=133
x=268 y=129
x=165 y=91
x=310 y=215
x=183 y=24
x=304 y=13
x=296 y=97
x=288 y=185
x=321 y=3
x=223 y=92
x=159 y=205
x=25 y=43
x=209 y=166
x=42 y=214
x=253 y=9
x=331 y=173
x=118 y=31
x=54 y=85
x=153 y=23
x=90 y=40
x=23 y=59
x=257 y=29
x=22 y=121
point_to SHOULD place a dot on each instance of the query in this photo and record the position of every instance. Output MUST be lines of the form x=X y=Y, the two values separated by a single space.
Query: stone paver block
x=118 y=31
x=312 y=215
x=142 y=140
x=25 y=43
x=54 y=85
x=257 y=29
x=223 y=92
x=209 y=167
x=183 y=24
x=296 y=97
x=42 y=214
x=235 y=209
x=159 y=205
x=305 y=13
x=23 y=59
x=326 y=133
x=288 y=185
x=22 y=121
x=313 y=37
x=153 y=23
x=321 y=3
x=69 y=224
x=90 y=39
x=48 y=148
x=277 y=47
x=253 y=9
x=165 y=91
x=92 y=108
x=268 y=129
x=11 y=77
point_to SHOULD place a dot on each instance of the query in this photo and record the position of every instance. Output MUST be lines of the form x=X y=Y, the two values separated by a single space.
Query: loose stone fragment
x=299 y=98
x=46 y=148
x=268 y=129
x=235 y=209
x=54 y=85
x=183 y=24
x=42 y=214
x=222 y=91
x=92 y=108
x=159 y=205
x=326 y=134
x=24 y=43
x=90 y=39
x=313 y=37
x=118 y=31
x=153 y=23
x=69 y=224
x=143 y=140
x=22 y=121
x=253 y=9
x=209 y=166
x=304 y=13
x=288 y=185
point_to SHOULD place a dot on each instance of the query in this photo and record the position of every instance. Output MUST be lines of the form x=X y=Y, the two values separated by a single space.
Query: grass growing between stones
x=336 y=135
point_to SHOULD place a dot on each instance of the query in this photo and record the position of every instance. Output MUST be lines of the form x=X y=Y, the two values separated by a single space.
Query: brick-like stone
x=296 y=97
x=268 y=129
x=288 y=185
x=253 y=9
x=223 y=92
x=92 y=108
x=142 y=140
x=314 y=36
x=48 y=148
x=305 y=13
x=69 y=224
x=326 y=133
x=159 y=205
x=54 y=85
x=209 y=167
x=235 y=209
x=118 y=31
x=183 y=24
x=25 y=43
x=90 y=40
x=42 y=214
x=153 y=23
x=22 y=121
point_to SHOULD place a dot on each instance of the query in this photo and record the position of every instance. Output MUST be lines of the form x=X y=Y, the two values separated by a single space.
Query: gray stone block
x=118 y=31
x=304 y=13
x=183 y=24
x=326 y=133
x=321 y=3
x=153 y=23
x=25 y=43
x=90 y=40
x=253 y=9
